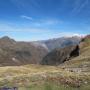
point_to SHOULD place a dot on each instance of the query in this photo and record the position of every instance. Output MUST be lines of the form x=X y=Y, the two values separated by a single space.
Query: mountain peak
x=7 y=39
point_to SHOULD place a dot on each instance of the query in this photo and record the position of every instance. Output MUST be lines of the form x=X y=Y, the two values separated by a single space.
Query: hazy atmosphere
x=43 y=19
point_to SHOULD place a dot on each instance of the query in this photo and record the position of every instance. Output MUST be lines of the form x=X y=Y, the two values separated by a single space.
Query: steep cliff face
x=59 y=56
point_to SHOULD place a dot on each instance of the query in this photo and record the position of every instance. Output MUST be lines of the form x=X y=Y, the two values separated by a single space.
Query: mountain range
x=20 y=53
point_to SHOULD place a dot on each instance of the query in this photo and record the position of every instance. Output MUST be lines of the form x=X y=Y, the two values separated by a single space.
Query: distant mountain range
x=21 y=53
x=62 y=42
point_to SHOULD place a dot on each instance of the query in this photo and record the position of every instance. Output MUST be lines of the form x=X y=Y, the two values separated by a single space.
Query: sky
x=28 y=20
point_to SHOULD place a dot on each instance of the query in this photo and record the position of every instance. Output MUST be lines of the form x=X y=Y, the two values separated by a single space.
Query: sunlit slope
x=83 y=60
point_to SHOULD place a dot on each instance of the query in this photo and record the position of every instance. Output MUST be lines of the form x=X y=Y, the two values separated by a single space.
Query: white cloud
x=79 y=5
x=68 y=34
x=51 y=21
x=36 y=33
x=46 y=22
x=26 y=17
x=42 y=22
x=82 y=6
x=13 y=28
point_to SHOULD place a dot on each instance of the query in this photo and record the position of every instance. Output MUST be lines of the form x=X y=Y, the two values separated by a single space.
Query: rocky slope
x=60 y=55
x=74 y=53
x=19 y=53
x=83 y=60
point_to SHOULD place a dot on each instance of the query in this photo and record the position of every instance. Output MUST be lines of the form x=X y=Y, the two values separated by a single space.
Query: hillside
x=83 y=60
x=60 y=55
x=71 y=56
x=19 y=53
x=13 y=53
x=38 y=77
x=71 y=75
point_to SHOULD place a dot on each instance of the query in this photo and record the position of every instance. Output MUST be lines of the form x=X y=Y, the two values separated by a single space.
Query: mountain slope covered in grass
x=83 y=60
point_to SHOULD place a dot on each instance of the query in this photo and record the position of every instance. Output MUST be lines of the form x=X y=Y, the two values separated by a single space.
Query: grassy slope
x=34 y=77
x=83 y=60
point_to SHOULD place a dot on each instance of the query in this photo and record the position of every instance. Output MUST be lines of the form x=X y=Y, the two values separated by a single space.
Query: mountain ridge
x=20 y=53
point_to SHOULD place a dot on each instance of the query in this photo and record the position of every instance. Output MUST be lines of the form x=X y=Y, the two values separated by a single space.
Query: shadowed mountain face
x=21 y=53
x=59 y=56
